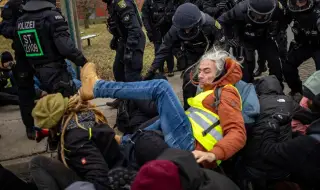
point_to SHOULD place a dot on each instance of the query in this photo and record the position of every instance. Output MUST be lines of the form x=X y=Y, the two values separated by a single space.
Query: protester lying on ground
x=311 y=88
x=272 y=101
x=212 y=135
x=299 y=156
x=50 y=174
x=9 y=181
x=87 y=143
x=176 y=169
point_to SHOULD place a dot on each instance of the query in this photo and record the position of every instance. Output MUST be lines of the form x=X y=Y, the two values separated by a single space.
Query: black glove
x=150 y=74
x=128 y=54
x=150 y=36
x=114 y=43
x=233 y=42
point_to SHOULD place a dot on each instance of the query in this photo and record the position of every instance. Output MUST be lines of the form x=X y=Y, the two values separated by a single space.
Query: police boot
x=170 y=74
x=31 y=133
x=88 y=78
x=114 y=104
x=260 y=70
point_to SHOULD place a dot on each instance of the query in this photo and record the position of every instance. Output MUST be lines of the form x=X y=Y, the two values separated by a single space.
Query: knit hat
x=121 y=178
x=148 y=146
x=6 y=56
x=49 y=110
x=158 y=175
x=311 y=87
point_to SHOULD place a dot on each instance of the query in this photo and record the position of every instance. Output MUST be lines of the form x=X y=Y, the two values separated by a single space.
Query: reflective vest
x=205 y=124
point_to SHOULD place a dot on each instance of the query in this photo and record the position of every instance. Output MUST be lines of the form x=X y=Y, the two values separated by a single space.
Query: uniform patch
x=122 y=4
x=30 y=42
x=126 y=18
x=217 y=25
x=58 y=17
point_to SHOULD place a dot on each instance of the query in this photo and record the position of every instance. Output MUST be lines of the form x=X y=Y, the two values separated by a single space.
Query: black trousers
x=268 y=50
x=130 y=71
x=169 y=60
x=282 y=42
x=296 y=56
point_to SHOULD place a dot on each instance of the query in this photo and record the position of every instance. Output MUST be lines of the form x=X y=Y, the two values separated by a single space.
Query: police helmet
x=299 y=5
x=260 y=11
x=188 y=20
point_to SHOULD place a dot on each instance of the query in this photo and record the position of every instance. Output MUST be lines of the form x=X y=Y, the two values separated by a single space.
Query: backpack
x=250 y=102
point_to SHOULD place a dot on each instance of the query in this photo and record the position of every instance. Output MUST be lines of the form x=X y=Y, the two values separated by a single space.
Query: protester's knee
x=38 y=162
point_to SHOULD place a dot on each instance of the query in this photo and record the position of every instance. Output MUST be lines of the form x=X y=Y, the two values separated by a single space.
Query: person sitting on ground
x=272 y=100
x=299 y=156
x=310 y=88
x=87 y=143
x=176 y=169
x=212 y=134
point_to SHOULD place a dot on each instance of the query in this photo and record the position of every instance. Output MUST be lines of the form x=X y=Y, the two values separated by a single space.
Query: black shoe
x=114 y=104
x=170 y=74
x=53 y=142
x=259 y=71
x=31 y=133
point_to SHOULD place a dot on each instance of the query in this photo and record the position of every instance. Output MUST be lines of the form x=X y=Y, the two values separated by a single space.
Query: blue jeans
x=173 y=122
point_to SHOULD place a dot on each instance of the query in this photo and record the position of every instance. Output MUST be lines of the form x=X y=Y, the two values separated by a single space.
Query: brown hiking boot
x=88 y=78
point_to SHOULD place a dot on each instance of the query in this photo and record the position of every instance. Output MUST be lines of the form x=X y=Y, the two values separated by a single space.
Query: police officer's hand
x=150 y=74
x=128 y=54
x=233 y=42
x=150 y=36
x=114 y=43
x=201 y=156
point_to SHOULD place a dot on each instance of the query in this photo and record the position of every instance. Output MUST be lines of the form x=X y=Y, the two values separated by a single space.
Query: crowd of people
x=231 y=132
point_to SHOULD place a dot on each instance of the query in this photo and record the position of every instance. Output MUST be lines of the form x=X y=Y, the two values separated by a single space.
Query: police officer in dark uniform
x=306 y=44
x=157 y=19
x=10 y=13
x=194 y=32
x=42 y=42
x=125 y=24
x=255 y=23
x=282 y=43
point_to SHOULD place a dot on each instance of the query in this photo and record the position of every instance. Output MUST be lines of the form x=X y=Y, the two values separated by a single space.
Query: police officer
x=157 y=19
x=42 y=42
x=194 y=32
x=10 y=13
x=255 y=23
x=306 y=44
x=282 y=43
x=125 y=24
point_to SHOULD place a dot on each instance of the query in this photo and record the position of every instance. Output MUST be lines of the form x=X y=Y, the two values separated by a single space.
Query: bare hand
x=201 y=156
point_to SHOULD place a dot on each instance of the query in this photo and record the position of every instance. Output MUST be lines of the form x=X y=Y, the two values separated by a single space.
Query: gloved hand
x=128 y=54
x=114 y=43
x=150 y=36
x=150 y=74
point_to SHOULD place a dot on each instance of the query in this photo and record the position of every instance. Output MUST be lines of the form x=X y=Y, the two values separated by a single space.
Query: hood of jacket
x=269 y=85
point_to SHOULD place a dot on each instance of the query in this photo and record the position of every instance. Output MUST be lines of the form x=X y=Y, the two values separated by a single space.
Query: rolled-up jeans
x=173 y=121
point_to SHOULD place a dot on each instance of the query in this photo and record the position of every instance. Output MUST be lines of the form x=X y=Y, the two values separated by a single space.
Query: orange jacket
x=229 y=111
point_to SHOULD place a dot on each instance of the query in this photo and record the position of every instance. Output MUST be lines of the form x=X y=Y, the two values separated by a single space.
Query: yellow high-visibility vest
x=205 y=124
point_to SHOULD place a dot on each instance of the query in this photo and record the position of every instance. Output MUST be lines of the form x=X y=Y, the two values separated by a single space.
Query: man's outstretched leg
x=174 y=123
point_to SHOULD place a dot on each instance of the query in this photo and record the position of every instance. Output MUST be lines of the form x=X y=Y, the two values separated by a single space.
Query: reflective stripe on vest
x=205 y=124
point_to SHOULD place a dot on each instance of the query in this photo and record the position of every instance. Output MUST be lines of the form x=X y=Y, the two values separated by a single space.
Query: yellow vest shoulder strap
x=217 y=95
